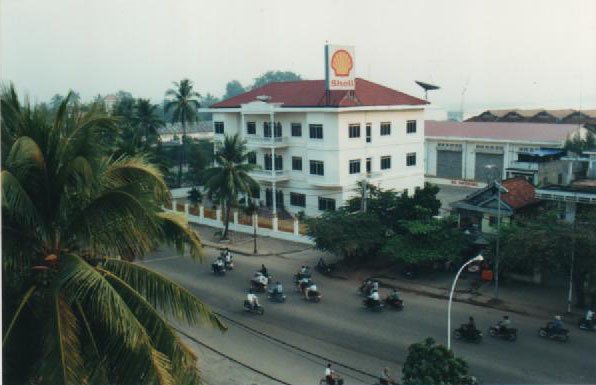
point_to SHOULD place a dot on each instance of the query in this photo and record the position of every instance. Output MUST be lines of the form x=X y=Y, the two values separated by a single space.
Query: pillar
x=570 y=208
x=296 y=227
x=236 y=217
x=202 y=211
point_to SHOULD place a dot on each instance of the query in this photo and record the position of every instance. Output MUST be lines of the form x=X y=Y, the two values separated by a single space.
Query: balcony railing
x=267 y=141
x=270 y=175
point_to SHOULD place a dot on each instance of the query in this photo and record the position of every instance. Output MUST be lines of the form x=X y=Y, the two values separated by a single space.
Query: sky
x=483 y=54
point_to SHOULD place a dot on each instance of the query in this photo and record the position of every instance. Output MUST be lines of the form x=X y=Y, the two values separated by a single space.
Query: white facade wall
x=335 y=150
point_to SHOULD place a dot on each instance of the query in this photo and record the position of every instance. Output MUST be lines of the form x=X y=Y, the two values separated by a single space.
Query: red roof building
x=311 y=93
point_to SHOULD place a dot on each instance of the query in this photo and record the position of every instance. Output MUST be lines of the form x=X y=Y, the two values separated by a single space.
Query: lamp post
x=477 y=258
x=497 y=256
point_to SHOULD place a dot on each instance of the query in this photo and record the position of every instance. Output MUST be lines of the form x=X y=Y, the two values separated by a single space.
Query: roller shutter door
x=481 y=173
x=449 y=164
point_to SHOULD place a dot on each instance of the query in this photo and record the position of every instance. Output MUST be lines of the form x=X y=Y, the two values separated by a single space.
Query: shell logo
x=342 y=62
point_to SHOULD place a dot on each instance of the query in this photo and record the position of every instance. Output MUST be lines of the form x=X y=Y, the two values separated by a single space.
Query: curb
x=219 y=246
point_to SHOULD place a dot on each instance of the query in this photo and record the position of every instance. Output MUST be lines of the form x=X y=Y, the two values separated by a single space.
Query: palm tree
x=147 y=120
x=184 y=102
x=230 y=178
x=76 y=309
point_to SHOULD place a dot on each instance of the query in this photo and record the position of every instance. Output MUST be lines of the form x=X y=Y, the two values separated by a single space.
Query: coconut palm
x=76 y=309
x=147 y=120
x=184 y=105
x=230 y=178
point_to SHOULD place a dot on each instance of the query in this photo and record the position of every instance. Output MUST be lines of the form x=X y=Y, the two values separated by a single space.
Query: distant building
x=563 y=116
x=473 y=153
x=172 y=132
x=480 y=210
x=109 y=101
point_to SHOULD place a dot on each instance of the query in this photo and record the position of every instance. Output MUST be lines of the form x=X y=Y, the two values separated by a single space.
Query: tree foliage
x=579 y=144
x=355 y=236
x=428 y=363
x=233 y=88
x=76 y=309
x=275 y=76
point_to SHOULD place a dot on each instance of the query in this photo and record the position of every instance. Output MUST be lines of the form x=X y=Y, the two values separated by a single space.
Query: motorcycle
x=509 y=334
x=314 y=296
x=365 y=289
x=467 y=334
x=275 y=296
x=229 y=265
x=324 y=268
x=561 y=335
x=258 y=309
x=371 y=305
x=584 y=324
x=397 y=304
x=217 y=270
x=258 y=286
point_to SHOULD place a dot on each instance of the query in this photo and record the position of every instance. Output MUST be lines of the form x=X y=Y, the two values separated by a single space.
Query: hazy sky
x=505 y=53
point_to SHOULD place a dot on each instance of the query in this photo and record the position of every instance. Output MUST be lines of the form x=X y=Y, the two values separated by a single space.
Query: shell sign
x=339 y=67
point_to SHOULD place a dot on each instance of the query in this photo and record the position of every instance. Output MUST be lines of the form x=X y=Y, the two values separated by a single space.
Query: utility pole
x=570 y=295
x=498 y=239
x=364 y=195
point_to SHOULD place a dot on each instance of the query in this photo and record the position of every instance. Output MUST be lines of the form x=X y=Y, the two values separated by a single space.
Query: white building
x=459 y=152
x=324 y=142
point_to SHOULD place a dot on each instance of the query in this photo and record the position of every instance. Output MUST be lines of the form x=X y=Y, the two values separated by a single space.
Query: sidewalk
x=514 y=297
x=242 y=243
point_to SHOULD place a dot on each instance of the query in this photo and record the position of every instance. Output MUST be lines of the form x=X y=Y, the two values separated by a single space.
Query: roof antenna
x=427 y=87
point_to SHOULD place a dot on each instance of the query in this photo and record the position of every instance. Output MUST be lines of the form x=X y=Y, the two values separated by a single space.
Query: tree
x=147 y=120
x=579 y=144
x=56 y=101
x=200 y=155
x=233 y=88
x=184 y=103
x=229 y=178
x=424 y=241
x=207 y=101
x=252 y=209
x=428 y=363
x=275 y=76
x=194 y=196
x=355 y=236
x=76 y=309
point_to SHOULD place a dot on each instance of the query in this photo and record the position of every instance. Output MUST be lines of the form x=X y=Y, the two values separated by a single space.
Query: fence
x=288 y=229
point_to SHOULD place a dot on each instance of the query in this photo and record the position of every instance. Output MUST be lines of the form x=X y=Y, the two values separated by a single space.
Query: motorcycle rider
x=557 y=325
x=310 y=288
x=227 y=255
x=303 y=283
x=331 y=378
x=374 y=299
x=385 y=378
x=375 y=285
x=504 y=324
x=471 y=325
x=305 y=271
x=394 y=296
x=260 y=279
x=264 y=270
x=252 y=299
x=590 y=317
x=277 y=289
x=219 y=264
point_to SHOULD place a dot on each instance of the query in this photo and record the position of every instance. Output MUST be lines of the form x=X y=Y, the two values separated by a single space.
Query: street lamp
x=477 y=258
x=497 y=256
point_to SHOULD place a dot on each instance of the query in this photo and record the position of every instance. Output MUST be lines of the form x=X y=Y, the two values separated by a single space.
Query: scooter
x=257 y=286
x=467 y=334
x=584 y=324
x=509 y=334
x=314 y=296
x=397 y=304
x=258 y=309
x=218 y=270
x=371 y=305
x=276 y=297
x=229 y=265
x=561 y=335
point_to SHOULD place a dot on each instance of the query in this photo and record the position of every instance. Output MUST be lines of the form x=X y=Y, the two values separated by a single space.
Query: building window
x=219 y=127
x=252 y=157
x=492 y=221
x=297 y=163
x=411 y=159
x=368 y=132
x=385 y=162
x=279 y=162
x=411 y=127
x=256 y=193
x=326 y=204
x=267 y=129
x=385 y=129
x=354 y=130
x=268 y=164
x=316 y=131
x=297 y=199
x=251 y=128
x=355 y=166
x=368 y=165
x=296 y=129
x=317 y=167
x=277 y=132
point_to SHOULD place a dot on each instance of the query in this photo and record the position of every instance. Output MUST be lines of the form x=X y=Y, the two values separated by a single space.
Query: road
x=339 y=328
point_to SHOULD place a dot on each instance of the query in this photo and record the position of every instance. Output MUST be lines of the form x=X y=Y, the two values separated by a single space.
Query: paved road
x=341 y=329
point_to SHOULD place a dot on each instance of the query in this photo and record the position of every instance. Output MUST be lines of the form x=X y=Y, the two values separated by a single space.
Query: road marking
x=160 y=259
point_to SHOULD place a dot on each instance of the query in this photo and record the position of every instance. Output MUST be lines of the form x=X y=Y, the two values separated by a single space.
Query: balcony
x=323 y=181
x=270 y=176
x=266 y=142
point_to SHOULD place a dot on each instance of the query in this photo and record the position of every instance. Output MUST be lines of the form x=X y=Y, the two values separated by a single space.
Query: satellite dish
x=427 y=87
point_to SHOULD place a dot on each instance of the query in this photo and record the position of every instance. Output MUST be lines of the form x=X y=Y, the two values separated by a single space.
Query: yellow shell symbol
x=341 y=62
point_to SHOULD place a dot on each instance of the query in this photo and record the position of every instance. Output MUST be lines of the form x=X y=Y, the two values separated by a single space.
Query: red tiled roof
x=520 y=193
x=541 y=132
x=311 y=93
